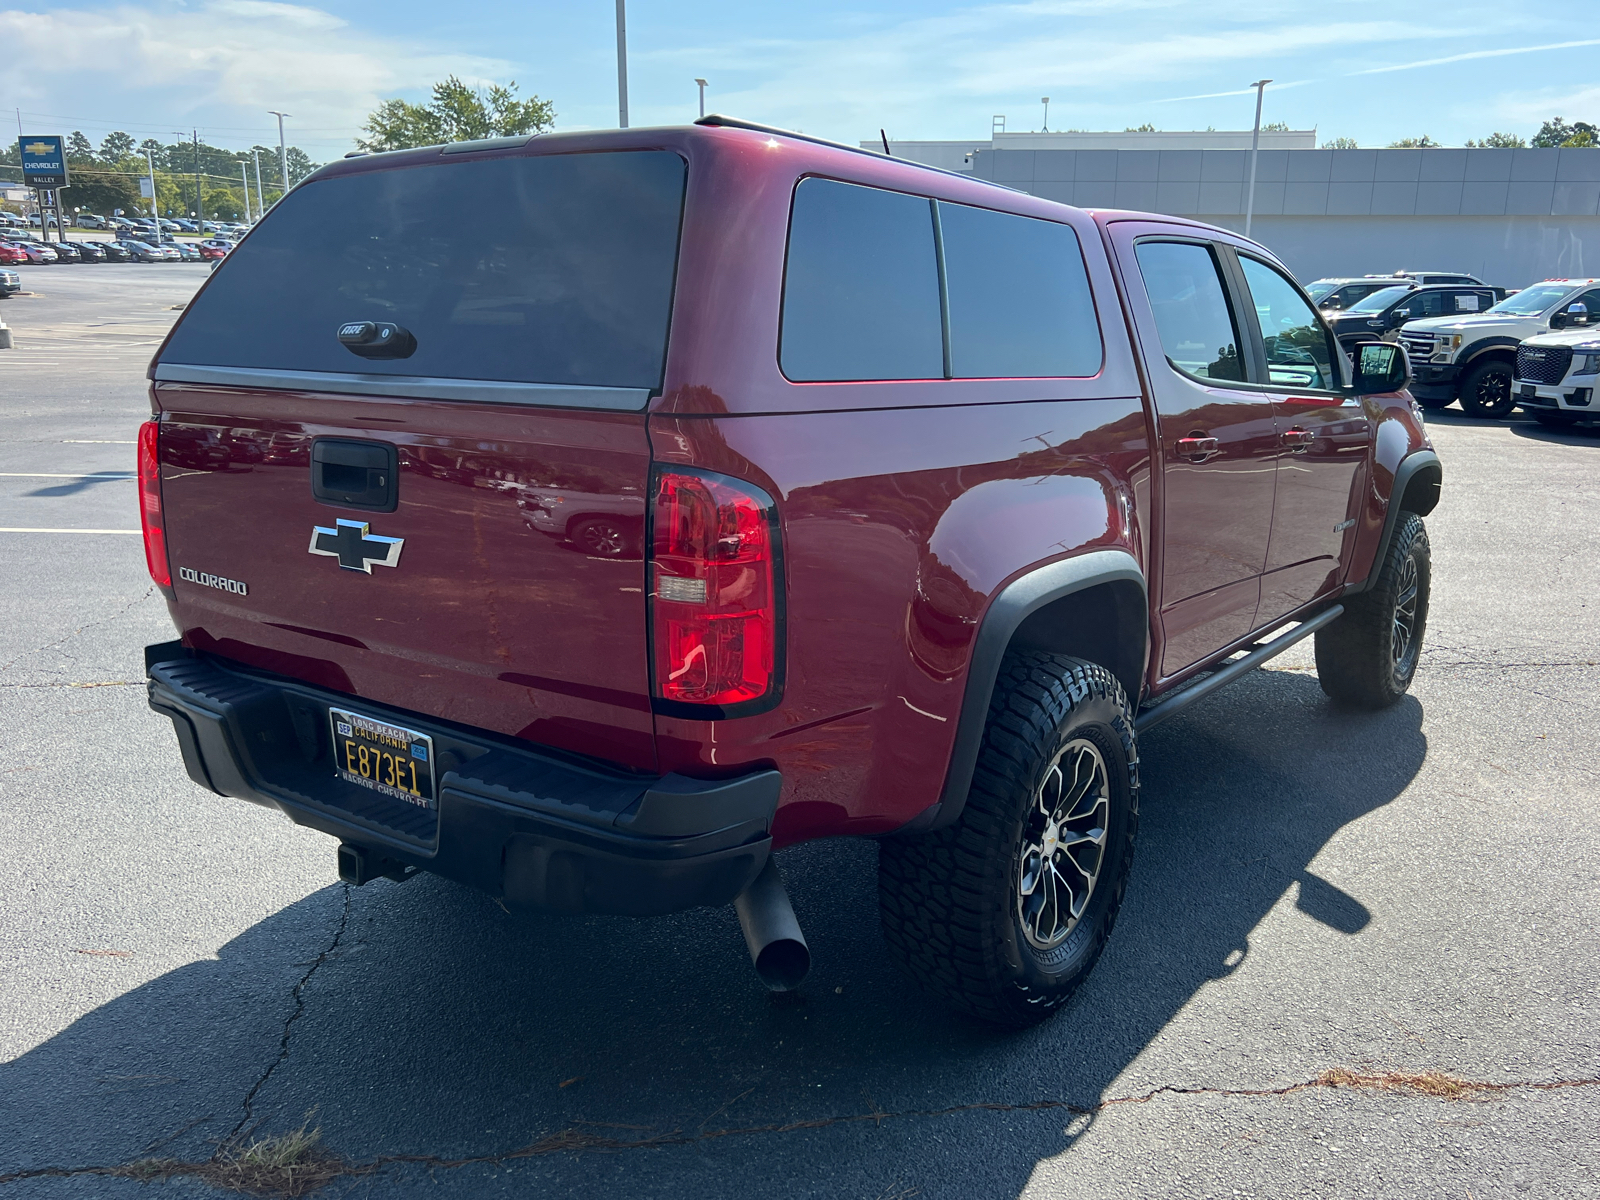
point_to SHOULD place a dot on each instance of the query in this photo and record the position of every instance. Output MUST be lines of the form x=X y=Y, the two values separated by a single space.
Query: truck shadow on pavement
x=421 y=1019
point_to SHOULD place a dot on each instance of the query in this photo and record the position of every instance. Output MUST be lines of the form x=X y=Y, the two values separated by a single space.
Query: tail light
x=150 y=516
x=716 y=620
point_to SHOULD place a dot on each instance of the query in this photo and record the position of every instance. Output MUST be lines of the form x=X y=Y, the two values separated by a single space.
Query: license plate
x=1529 y=390
x=388 y=759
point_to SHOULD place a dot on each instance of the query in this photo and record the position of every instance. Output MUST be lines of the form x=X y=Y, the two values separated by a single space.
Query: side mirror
x=1399 y=317
x=1380 y=367
x=1558 y=320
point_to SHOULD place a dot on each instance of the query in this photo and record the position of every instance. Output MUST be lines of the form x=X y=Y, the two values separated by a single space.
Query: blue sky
x=1363 y=69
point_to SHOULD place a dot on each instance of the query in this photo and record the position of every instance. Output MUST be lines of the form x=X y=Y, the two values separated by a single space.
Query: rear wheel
x=1486 y=390
x=603 y=537
x=1367 y=658
x=1004 y=913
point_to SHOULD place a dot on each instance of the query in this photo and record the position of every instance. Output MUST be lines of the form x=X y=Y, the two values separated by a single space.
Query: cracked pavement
x=1393 y=895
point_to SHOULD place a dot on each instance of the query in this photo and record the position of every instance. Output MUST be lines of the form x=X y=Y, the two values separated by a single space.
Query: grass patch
x=288 y=1165
x=1436 y=1084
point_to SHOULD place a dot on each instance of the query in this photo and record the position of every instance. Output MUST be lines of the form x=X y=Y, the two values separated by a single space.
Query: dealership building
x=1510 y=217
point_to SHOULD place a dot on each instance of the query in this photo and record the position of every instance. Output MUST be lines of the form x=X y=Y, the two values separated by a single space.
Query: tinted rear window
x=549 y=269
x=1019 y=296
x=861 y=287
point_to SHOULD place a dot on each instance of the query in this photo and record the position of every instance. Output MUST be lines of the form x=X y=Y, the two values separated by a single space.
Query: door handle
x=1194 y=447
x=1300 y=439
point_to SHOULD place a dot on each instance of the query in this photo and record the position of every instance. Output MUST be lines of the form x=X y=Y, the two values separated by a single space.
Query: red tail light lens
x=150 y=517
x=715 y=616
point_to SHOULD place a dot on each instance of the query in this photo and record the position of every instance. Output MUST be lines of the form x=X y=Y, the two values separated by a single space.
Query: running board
x=1225 y=675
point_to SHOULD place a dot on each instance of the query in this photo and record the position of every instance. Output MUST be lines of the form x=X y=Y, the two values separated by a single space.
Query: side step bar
x=1258 y=654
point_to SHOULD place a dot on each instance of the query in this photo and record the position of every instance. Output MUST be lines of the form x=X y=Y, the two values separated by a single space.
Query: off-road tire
x=1486 y=390
x=1554 y=420
x=1361 y=660
x=603 y=537
x=1434 y=403
x=951 y=901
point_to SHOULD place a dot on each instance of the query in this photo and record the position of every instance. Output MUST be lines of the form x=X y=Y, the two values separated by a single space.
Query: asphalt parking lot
x=1360 y=954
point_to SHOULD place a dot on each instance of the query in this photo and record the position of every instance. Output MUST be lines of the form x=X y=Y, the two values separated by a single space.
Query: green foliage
x=79 y=146
x=115 y=147
x=1414 y=143
x=1275 y=127
x=1145 y=128
x=457 y=113
x=1498 y=141
x=1340 y=143
x=1556 y=132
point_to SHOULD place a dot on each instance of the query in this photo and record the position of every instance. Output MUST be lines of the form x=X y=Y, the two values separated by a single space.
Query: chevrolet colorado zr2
x=944 y=492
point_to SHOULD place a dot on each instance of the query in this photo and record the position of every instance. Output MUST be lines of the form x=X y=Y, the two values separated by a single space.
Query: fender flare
x=1006 y=612
x=1423 y=463
x=1483 y=345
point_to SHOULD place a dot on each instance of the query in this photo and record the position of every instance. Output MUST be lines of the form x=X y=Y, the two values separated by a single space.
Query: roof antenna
x=885 y=138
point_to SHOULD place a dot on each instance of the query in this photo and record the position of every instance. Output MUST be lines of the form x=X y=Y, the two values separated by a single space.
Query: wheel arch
x=1486 y=348
x=1092 y=606
x=1416 y=488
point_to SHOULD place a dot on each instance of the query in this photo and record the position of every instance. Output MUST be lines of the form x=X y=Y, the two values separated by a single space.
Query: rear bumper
x=537 y=829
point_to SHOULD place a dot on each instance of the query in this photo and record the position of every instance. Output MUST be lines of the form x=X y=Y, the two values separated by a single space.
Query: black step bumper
x=534 y=828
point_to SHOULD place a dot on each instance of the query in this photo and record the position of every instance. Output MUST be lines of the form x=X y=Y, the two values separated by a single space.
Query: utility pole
x=1260 y=86
x=261 y=201
x=199 y=208
x=155 y=214
x=622 y=63
x=283 y=153
x=702 y=84
x=1045 y=100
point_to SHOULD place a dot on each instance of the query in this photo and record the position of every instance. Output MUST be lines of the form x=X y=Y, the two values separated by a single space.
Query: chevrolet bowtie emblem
x=354 y=547
x=38 y=148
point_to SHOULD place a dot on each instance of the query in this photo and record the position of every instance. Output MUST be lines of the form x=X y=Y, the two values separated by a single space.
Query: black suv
x=1386 y=310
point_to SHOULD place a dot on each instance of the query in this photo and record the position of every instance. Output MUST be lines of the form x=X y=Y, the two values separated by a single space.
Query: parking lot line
x=44 y=475
x=22 y=529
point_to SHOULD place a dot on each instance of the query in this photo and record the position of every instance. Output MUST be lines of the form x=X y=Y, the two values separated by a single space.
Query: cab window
x=1191 y=308
x=1299 y=348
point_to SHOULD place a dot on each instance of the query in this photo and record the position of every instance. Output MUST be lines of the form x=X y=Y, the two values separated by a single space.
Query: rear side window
x=861 y=286
x=547 y=269
x=1019 y=296
x=1191 y=309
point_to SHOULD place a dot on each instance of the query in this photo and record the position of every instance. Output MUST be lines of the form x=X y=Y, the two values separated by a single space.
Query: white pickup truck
x=1558 y=375
x=1474 y=359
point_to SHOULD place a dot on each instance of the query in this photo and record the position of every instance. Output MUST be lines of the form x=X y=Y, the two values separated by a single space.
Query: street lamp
x=622 y=64
x=1045 y=100
x=283 y=154
x=702 y=84
x=1260 y=86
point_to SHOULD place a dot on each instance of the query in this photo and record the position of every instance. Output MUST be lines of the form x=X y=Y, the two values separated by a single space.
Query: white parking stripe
x=39 y=475
x=20 y=529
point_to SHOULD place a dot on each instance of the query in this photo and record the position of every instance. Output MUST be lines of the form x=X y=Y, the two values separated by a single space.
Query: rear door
x=457 y=531
x=1218 y=444
x=1324 y=437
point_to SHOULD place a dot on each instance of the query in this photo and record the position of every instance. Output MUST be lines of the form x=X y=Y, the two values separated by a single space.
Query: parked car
x=11 y=218
x=36 y=223
x=37 y=253
x=1424 y=277
x=10 y=283
x=142 y=251
x=91 y=221
x=115 y=251
x=89 y=251
x=184 y=226
x=11 y=253
x=1382 y=313
x=1558 y=377
x=1474 y=359
x=214 y=249
x=1339 y=293
x=122 y=224
x=66 y=252
x=187 y=251
x=876 y=599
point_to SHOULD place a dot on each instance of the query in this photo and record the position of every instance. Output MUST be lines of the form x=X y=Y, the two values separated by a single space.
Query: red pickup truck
x=944 y=493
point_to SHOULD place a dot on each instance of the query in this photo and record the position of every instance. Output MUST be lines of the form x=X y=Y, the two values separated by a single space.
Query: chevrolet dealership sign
x=44 y=161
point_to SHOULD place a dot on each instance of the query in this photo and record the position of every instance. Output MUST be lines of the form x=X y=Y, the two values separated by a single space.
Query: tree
x=1556 y=132
x=299 y=164
x=1145 y=128
x=115 y=147
x=1415 y=143
x=1275 y=127
x=79 y=146
x=153 y=147
x=1498 y=141
x=457 y=113
x=1340 y=143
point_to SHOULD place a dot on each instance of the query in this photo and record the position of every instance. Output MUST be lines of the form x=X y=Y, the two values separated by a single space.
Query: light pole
x=155 y=215
x=1260 y=86
x=244 y=178
x=702 y=84
x=1045 y=100
x=197 y=200
x=261 y=201
x=622 y=63
x=283 y=153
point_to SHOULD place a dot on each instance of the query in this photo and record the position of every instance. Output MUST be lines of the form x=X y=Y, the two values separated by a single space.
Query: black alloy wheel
x=1486 y=390
x=603 y=537
x=1368 y=657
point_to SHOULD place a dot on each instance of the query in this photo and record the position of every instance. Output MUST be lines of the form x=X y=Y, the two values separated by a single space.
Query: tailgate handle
x=350 y=474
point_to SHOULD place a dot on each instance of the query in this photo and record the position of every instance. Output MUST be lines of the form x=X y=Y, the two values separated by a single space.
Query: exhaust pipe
x=777 y=947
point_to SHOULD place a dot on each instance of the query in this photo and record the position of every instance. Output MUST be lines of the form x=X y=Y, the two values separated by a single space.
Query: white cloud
x=224 y=63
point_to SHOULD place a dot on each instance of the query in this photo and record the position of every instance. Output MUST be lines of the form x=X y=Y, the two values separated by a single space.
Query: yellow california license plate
x=389 y=759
